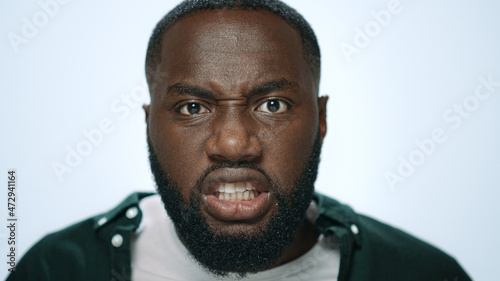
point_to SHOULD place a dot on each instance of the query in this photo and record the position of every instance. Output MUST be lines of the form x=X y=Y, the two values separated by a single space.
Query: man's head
x=234 y=129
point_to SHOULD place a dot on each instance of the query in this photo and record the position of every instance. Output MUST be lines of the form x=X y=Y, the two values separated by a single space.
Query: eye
x=273 y=106
x=192 y=108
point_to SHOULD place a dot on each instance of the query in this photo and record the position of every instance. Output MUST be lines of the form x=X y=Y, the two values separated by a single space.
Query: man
x=234 y=128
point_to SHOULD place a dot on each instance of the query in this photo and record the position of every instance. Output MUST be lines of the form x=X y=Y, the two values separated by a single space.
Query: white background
x=89 y=55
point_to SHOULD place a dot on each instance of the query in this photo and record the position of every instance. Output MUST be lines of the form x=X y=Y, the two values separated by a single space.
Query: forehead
x=232 y=44
x=226 y=30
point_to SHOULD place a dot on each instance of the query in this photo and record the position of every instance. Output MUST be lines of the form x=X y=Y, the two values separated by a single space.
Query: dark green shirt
x=99 y=248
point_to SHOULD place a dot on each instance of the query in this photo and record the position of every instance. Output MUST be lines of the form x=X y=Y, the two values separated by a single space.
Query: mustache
x=156 y=167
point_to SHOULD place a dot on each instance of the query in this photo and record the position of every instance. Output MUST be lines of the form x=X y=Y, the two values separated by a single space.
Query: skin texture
x=235 y=88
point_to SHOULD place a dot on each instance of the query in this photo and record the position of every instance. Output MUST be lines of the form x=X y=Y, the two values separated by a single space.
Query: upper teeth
x=235 y=187
x=239 y=191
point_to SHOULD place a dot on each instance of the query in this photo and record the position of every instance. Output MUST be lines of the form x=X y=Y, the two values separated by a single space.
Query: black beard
x=222 y=254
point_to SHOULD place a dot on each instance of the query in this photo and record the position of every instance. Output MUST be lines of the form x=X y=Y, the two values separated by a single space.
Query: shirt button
x=102 y=221
x=354 y=229
x=132 y=212
x=117 y=240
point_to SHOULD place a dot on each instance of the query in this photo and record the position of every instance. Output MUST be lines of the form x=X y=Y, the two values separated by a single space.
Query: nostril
x=233 y=145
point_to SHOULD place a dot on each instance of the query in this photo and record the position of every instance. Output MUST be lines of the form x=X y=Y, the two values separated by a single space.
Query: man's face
x=234 y=121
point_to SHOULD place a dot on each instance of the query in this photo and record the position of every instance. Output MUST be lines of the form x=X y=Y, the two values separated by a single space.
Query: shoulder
x=78 y=250
x=398 y=253
x=381 y=250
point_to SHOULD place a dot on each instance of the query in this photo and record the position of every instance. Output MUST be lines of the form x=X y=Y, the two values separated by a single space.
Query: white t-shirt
x=158 y=254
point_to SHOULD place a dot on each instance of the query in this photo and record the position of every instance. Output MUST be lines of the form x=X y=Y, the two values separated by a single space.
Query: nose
x=233 y=139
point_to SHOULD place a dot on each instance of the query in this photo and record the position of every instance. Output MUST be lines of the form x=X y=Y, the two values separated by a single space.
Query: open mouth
x=238 y=191
x=236 y=194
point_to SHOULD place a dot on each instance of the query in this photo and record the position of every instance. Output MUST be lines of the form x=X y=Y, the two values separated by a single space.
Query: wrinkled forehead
x=232 y=50
x=250 y=31
x=233 y=47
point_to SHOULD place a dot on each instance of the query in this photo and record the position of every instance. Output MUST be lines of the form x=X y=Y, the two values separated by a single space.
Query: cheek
x=180 y=152
x=287 y=149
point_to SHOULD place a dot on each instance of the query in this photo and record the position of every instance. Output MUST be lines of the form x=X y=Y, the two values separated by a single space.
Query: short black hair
x=309 y=42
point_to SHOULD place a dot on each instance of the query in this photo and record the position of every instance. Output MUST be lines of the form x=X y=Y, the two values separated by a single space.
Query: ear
x=322 y=101
x=146 y=111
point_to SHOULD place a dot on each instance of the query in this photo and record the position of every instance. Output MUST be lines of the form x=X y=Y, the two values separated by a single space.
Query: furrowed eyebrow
x=278 y=85
x=183 y=89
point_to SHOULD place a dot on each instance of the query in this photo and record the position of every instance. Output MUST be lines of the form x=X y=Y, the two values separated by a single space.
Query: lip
x=236 y=210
